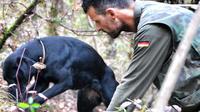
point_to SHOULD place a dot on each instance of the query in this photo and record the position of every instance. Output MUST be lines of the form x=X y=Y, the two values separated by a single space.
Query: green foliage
x=69 y=2
x=23 y=105
x=30 y=105
x=57 y=20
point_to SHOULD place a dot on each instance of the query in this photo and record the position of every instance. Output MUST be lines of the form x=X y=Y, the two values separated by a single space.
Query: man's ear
x=111 y=12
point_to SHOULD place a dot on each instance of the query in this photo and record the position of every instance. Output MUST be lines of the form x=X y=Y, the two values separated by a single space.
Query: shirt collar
x=138 y=11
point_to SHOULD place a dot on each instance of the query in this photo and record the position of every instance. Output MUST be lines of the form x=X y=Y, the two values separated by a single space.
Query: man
x=159 y=28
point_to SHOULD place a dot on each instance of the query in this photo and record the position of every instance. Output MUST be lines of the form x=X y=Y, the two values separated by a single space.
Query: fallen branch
x=8 y=31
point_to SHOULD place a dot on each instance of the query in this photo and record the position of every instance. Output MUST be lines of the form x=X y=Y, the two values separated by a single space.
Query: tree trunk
x=56 y=6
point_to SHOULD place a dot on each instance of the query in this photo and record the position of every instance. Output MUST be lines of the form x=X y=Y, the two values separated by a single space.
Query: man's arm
x=152 y=45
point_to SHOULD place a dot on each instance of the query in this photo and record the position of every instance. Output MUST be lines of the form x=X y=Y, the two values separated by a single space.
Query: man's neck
x=127 y=17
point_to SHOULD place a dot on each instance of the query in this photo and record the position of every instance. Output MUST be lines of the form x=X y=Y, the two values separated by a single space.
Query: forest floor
x=65 y=102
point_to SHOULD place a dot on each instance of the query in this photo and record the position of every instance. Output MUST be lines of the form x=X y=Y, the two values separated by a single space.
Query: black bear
x=65 y=61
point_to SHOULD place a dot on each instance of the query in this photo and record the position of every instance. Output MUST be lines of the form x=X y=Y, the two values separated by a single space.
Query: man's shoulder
x=154 y=12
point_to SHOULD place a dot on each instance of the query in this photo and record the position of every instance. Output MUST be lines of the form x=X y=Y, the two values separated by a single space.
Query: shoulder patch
x=143 y=44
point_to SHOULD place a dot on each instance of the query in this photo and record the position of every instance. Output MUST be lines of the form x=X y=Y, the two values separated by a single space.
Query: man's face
x=106 y=23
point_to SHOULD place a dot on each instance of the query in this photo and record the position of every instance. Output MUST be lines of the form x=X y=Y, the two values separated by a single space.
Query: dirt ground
x=65 y=102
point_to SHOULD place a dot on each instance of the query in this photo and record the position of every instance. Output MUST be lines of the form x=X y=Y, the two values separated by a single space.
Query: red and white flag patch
x=143 y=44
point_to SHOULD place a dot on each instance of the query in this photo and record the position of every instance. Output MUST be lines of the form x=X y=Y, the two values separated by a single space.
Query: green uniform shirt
x=160 y=28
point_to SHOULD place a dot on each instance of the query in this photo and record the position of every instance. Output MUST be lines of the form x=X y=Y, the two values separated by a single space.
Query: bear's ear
x=18 y=59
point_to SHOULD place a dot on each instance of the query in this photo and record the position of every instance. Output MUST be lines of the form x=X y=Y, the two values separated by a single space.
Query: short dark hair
x=101 y=5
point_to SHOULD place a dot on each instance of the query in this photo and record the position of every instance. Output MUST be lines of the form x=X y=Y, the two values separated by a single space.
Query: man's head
x=106 y=15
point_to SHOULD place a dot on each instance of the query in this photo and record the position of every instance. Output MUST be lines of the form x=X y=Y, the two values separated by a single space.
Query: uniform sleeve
x=151 y=48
